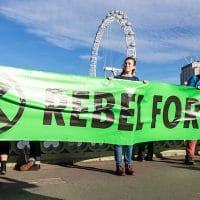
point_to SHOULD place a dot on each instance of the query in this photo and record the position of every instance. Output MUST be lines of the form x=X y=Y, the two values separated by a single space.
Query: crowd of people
x=128 y=73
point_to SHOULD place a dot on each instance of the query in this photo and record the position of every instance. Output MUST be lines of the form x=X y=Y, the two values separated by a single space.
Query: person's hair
x=134 y=63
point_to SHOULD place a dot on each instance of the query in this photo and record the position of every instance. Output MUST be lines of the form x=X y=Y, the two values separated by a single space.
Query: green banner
x=47 y=106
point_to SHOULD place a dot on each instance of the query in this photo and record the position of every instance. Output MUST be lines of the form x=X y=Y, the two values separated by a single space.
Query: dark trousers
x=35 y=150
x=141 y=149
x=4 y=147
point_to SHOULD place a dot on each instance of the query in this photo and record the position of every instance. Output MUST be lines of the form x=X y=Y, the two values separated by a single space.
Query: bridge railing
x=69 y=152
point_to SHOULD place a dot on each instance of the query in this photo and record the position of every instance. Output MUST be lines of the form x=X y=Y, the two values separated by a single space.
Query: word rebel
x=169 y=110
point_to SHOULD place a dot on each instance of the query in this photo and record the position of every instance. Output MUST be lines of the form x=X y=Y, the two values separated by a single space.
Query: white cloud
x=165 y=30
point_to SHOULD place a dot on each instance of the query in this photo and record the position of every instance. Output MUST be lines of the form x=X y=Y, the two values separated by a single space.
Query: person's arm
x=115 y=77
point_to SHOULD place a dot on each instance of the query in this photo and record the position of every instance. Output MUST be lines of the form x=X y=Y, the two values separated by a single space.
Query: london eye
x=126 y=26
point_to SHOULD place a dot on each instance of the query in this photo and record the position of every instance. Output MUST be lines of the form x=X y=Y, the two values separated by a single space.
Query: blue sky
x=58 y=35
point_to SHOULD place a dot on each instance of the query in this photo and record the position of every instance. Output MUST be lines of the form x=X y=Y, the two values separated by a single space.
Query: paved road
x=162 y=179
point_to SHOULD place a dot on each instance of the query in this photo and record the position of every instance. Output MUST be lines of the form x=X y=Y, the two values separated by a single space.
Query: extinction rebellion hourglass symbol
x=11 y=109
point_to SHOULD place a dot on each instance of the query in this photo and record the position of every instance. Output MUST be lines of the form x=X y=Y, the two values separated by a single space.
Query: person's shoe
x=120 y=170
x=189 y=161
x=149 y=158
x=3 y=167
x=129 y=170
x=35 y=167
x=139 y=158
x=27 y=166
x=3 y=172
x=30 y=166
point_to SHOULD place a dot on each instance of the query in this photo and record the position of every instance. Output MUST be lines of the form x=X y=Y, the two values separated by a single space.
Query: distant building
x=189 y=70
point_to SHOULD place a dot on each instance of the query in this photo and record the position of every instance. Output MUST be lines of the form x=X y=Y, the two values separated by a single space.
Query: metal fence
x=69 y=152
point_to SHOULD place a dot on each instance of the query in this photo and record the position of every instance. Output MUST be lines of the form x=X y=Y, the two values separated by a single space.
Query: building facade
x=189 y=70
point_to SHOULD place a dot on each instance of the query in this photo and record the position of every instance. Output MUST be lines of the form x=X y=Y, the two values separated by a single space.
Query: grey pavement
x=162 y=179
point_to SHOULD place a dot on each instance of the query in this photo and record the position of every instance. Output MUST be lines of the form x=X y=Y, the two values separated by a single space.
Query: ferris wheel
x=126 y=26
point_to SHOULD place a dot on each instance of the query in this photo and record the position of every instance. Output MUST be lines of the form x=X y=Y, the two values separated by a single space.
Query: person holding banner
x=194 y=81
x=4 y=151
x=34 y=157
x=128 y=71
